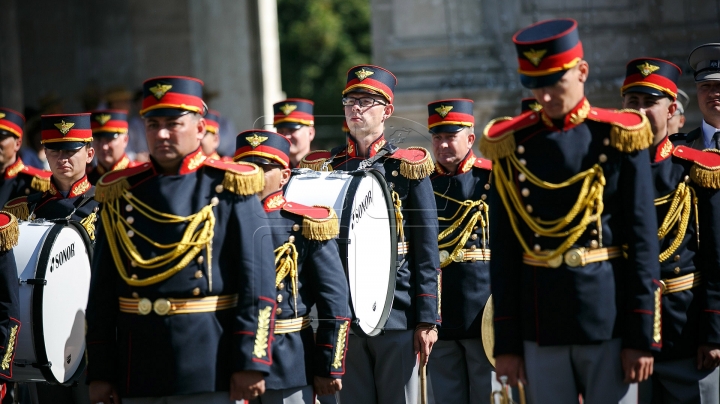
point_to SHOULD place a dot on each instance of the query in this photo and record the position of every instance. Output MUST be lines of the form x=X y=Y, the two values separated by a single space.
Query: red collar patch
x=192 y=162
x=375 y=146
x=274 y=201
x=466 y=165
x=14 y=168
x=78 y=188
x=573 y=118
x=664 y=149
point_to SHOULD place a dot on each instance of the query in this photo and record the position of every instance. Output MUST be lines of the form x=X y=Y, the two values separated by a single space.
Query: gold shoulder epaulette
x=415 y=162
x=319 y=222
x=498 y=137
x=315 y=160
x=240 y=178
x=630 y=129
x=9 y=231
x=40 y=178
x=18 y=207
x=706 y=165
x=113 y=184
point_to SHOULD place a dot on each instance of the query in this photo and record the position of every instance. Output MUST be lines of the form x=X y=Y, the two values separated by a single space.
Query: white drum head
x=367 y=240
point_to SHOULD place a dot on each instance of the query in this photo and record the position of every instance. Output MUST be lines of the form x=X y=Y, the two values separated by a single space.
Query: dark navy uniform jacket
x=583 y=304
x=9 y=307
x=694 y=139
x=79 y=205
x=465 y=285
x=416 y=284
x=321 y=281
x=159 y=355
x=690 y=317
x=21 y=180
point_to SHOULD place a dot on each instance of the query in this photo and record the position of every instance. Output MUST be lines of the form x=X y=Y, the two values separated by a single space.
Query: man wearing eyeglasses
x=384 y=369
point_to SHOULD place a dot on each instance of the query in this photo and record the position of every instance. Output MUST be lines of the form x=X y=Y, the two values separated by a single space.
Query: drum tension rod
x=343 y=240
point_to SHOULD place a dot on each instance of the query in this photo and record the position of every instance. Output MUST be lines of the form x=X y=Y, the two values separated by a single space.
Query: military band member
x=182 y=299
x=211 y=140
x=294 y=119
x=110 y=139
x=309 y=272
x=68 y=148
x=685 y=371
x=705 y=63
x=384 y=369
x=459 y=370
x=677 y=121
x=571 y=186
x=17 y=178
x=9 y=299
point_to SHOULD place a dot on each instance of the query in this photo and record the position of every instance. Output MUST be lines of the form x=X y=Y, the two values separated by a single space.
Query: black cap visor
x=533 y=82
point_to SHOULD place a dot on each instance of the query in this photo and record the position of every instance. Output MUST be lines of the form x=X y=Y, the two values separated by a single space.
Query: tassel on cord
x=704 y=177
x=89 y=224
x=629 y=139
x=9 y=234
x=244 y=183
x=321 y=229
x=19 y=210
x=105 y=192
x=501 y=146
x=40 y=184
x=417 y=170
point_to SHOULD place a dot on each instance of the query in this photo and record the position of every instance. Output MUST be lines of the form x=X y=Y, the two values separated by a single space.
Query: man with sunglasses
x=384 y=369
x=308 y=273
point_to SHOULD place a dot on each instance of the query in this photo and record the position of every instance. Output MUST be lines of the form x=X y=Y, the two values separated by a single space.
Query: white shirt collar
x=708 y=131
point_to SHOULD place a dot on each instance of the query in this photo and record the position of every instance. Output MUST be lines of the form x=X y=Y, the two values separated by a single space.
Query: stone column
x=11 y=90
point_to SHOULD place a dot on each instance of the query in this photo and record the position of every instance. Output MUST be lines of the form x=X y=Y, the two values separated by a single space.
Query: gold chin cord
x=682 y=202
x=587 y=209
x=198 y=234
x=504 y=393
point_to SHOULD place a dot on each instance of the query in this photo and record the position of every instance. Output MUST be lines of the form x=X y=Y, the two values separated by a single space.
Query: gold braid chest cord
x=464 y=210
x=197 y=235
x=287 y=256
x=682 y=201
x=589 y=203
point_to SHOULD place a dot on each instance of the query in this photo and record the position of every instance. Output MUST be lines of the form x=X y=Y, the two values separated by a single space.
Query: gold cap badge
x=647 y=69
x=535 y=106
x=443 y=110
x=103 y=118
x=2 y=115
x=535 y=57
x=255 y=140
x=287 y=109
x=64 y=127
x=159 y=90
x=362 y=74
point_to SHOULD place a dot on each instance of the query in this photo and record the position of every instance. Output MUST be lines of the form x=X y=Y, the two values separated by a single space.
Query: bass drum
x=367 y=240
x=53 y=263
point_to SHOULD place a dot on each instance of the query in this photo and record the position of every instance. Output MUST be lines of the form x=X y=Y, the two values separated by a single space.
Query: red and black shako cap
x=546 y=50
x=108 y=122
x=65 y=131
x=212 y=121
x=293 y=113
x=450 y=116
x=371 y=79
x=172 y=96
x=11 y=122
x=262 y=147
x=652 y=76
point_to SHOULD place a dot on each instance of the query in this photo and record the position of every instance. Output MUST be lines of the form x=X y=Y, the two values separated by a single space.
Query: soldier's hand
x=637 y=365
x=103 y=392
x=512 y=366
x=708 y=356
x=246 y=385
x=425 y=337
x=326 y=385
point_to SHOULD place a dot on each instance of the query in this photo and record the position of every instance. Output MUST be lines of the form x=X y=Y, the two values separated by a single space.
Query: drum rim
x=343 y=247
x=37 y=300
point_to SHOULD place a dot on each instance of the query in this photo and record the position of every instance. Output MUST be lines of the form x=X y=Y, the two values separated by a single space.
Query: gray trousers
x=680 y=381
x=295 y=395
x=220 y=397
x=558 y=374
x=459 y=373
x=381 y=370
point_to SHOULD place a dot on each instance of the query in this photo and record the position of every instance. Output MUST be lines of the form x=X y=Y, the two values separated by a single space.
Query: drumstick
x=423 y=379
